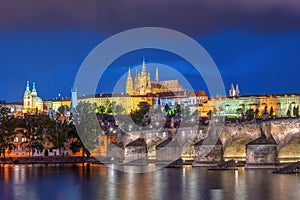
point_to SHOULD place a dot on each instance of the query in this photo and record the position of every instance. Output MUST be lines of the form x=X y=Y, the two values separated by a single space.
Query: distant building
x=74 y=99
x=234 y=91
x=57 y=103
x=128 y=103
x=282 y=105
x=32 y=103
x=13 y=106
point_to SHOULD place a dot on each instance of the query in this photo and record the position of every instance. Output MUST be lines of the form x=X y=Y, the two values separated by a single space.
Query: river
x=63 y=182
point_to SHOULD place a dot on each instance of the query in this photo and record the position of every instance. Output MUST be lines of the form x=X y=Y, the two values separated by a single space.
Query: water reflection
x=99 y=182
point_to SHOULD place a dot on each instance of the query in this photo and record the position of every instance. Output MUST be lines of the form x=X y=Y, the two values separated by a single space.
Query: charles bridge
x=261 y=143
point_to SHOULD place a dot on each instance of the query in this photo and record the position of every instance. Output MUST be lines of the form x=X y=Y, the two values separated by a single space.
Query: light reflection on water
x=100 y=182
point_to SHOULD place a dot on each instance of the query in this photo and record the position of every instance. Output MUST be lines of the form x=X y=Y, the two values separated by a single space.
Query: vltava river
x=63 y=182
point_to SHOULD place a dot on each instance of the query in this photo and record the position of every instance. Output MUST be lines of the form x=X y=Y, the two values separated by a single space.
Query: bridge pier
x=261 y=152
x=167 y=151
x=207 y=154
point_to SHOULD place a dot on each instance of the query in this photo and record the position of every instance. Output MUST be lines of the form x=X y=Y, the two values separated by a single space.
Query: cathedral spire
x=144 y=72
x=129 y=86
x=156 y=75
x=232 y=91
x=129 y=74
x=237 y=90
x=136 y=73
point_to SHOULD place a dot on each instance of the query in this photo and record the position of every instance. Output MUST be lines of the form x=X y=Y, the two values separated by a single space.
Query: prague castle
x=142 y=84
x=142 y=89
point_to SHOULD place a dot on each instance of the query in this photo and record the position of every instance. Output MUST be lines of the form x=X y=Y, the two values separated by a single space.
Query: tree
x=56 y=133
x=178 y=110
x=7 y=133
x=35 y=125
x=169 y=112
x=138 y=116
x=108 y=107
x=266 y=114
x=87 y=126
x=209 y=113
x=296 y=111
x=240 y=112
x=144 y=107
x=63 y=109
x=288 y=114
x=100 y=109
x=256 y=113
x=272 y=113
x=250 y=114
x=266 y=110
x=118 y=109
x=186 y=111
x=214 y=110
x=76 y=143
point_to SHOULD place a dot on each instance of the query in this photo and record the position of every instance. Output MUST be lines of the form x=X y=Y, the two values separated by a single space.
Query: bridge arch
x=236 y=147
x=289 y=148
x=234 y=138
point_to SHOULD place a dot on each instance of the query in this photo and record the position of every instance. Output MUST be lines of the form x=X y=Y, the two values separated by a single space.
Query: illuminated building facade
x=142 y=84
x=32 y=103
x=128 y=103
x=56 y=103
x=282 y=105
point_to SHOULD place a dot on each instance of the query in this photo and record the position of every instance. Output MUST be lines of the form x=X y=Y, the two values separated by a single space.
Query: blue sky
x=260 y=54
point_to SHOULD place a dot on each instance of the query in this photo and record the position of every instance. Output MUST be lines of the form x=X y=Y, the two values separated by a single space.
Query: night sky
x=255 y=44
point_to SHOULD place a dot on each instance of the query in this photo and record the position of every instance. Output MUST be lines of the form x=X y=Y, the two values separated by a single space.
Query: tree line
x=40 y=131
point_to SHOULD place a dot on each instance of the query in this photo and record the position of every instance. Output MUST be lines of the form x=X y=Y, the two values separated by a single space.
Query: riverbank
x=93 y=160
x=49 y=160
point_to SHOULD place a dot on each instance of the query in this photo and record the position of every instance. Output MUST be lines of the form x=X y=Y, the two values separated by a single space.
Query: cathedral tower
x=129 y=86
x=231 y=90
x=144 y=71
x=237 y=90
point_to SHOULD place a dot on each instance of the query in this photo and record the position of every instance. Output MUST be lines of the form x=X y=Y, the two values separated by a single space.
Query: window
x=16 y=139
x=23 y=139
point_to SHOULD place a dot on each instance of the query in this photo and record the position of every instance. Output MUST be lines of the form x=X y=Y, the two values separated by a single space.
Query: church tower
x=27 y=100
x=129 y=86
x=32 y=103
x=237 y=90
x=232 y=91
x=34 y=92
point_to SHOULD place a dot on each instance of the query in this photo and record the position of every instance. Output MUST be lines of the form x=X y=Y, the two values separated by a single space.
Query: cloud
x=190 y=16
